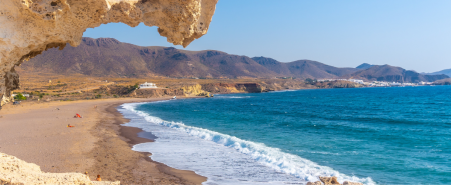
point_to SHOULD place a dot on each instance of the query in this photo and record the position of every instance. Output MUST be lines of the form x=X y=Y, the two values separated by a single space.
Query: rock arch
x=28 y=27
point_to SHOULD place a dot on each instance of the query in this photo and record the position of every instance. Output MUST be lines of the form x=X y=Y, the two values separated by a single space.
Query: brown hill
x=446 y=81
x=109 y=57
x=364 y=66
x=303 y=68
x=393 y=74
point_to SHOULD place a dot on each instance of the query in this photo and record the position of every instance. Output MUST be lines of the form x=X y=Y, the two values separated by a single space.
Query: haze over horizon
x=411 y=34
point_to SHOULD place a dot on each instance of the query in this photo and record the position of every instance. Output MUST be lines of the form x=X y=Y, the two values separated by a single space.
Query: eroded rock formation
x=153 y=93
x=15 y=171
x=225 y=88
x=332 y=181
x=28 y=27
x=329 y=180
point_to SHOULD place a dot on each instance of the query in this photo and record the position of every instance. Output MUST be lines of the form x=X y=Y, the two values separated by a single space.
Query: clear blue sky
x=413 y=34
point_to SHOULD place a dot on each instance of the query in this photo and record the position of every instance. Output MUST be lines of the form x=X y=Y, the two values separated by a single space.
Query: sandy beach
x=97 y=144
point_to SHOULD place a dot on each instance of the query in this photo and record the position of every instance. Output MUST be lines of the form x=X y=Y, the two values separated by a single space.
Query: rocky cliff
x=224 y=88
x=199 y=90
x=32 y=26
x=337 y=84
x=194 y=90
x=154 y=93
x=14 y=171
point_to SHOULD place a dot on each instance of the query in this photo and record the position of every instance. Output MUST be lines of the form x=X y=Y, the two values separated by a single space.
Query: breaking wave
x=304 y=170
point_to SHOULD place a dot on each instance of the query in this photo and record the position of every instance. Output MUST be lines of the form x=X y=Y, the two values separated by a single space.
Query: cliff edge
x=32 y=26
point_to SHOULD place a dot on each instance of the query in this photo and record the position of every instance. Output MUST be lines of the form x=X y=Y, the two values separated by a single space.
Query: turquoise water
x=399 y=135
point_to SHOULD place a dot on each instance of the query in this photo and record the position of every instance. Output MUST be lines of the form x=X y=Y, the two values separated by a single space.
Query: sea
x=395 y=135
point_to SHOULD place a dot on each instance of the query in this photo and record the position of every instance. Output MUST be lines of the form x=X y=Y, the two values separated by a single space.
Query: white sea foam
x=224 y=159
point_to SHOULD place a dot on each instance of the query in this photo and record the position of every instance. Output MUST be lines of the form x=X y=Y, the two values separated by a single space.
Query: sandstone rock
x=329 y=180
x=153 y=93
x=232 y=87
x=29 y=27
x=351 y=183
x=15 y=171
x=315 y=183
x=194 y=90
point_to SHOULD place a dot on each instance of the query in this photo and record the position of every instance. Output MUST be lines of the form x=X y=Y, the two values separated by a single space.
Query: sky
x=413 y=34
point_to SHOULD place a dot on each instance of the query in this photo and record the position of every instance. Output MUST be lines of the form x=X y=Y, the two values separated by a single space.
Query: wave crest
x=272 y=157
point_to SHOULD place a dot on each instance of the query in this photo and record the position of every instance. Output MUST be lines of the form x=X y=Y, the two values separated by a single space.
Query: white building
x=408 y=84
x=147 y=85
x=356 y=81
x=395 y=84
x=425 y=83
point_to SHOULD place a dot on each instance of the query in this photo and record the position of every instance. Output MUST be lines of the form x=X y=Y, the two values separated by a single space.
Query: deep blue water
x=399 y=135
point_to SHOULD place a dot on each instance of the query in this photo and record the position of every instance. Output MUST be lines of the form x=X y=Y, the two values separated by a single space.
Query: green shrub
x=20 y=97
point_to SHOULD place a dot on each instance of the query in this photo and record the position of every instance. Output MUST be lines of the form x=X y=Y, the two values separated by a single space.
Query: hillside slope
x=393 y=74
x=303 y=68
x=444 y=72
x=109 y=57
x=364 y=66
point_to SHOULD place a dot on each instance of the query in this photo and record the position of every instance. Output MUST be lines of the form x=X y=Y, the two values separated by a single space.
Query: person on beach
x=98 y=178
x=70 y=126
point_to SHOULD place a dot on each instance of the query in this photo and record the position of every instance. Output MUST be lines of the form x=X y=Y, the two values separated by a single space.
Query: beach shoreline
x=98 y=144
x=134 y=135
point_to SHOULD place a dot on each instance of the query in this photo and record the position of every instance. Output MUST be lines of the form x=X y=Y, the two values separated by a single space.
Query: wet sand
x=38 y=133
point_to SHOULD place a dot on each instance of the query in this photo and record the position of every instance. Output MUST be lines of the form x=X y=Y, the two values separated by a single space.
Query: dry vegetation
x=48 y=87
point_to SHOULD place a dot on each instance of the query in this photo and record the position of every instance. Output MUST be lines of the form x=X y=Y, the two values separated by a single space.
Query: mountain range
x=393 y=74
x=109 y=57
x=445 y=72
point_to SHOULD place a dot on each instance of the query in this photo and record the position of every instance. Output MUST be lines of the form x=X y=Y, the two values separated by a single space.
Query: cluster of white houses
x=377 y=83
x=148 y=86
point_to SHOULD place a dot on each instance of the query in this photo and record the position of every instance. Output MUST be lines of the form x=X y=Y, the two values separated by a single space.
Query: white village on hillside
x=377 y=83
x=148 y=86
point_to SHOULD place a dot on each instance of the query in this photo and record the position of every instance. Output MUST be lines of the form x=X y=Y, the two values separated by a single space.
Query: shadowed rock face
x=29 y=27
